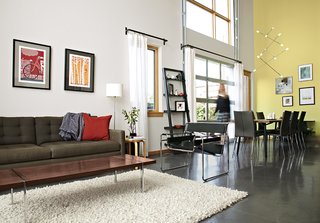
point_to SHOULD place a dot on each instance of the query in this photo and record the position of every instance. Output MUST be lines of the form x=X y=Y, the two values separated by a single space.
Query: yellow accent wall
x=299 y=23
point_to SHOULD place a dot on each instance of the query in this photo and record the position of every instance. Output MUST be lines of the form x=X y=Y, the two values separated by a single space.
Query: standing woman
x=223 y=105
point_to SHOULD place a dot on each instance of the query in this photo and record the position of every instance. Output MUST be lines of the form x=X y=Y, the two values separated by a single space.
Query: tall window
x=209 y=74
x=211 y=18
x=153 y=101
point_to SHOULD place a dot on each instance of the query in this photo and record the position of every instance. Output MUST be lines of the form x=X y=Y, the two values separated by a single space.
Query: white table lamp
x=114 y=90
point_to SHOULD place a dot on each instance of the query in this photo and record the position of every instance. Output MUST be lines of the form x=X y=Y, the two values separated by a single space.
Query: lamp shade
x=114 y=90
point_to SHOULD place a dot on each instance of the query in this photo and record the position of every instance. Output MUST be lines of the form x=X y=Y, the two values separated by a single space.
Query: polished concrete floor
x=280 y=189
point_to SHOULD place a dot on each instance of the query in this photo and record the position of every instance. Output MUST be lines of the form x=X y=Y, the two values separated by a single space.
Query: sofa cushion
x=47 y=129
x=17 y=153
x=76 y=148
x=96 y=128
x=17 y=130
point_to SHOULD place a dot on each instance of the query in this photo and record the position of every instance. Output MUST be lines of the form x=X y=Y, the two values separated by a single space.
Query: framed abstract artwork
x=284 y=85
x=79 y=71
x=305 y=72
x=306 y=96
x=31 y=65
x=287 y=101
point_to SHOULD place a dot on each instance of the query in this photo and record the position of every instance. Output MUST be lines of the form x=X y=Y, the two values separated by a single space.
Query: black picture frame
x=307 y=96
x=79 y=71
x=287 y=101
x=31 y=65
x=180 y=105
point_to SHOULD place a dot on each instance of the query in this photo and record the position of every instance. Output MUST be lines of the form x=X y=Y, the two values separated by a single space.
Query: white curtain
x=189 y=56
x=137 y=44
x=240 y=87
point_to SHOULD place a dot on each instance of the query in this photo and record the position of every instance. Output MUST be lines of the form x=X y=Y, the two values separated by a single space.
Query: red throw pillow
x=96 y=128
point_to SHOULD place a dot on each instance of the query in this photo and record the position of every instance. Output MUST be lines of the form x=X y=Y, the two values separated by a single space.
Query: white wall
x=95 y=26
x=246 y=34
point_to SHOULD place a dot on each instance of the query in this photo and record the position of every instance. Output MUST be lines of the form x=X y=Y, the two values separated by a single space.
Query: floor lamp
x=114 y=90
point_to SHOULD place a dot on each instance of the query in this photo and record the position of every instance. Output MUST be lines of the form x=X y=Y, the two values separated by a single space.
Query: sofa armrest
x=118 y=136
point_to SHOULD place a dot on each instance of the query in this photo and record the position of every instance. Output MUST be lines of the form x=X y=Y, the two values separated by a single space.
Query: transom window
x=211 y=18
x=209 y=74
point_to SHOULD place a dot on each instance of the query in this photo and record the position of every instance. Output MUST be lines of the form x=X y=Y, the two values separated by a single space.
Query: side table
x=136 y=142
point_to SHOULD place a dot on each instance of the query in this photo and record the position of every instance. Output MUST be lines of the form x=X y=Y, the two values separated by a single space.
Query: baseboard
x=157 y=152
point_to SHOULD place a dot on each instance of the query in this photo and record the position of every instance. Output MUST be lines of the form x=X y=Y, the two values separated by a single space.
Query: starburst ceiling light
x=274 y=48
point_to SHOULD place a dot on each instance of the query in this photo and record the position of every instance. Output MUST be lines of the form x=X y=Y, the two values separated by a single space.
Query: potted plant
x=132 y=118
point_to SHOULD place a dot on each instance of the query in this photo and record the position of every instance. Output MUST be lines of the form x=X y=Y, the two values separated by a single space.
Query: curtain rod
x=217 y=54
x=146 y=34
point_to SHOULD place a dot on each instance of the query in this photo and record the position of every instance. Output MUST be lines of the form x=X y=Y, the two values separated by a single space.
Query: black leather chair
x=178 y=142
x=210 y=138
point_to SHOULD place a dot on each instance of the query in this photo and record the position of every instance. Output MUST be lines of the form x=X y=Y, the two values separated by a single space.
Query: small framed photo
x=287 y=101
x=31 y=65
x=306 y=96
x=180 y=106
x=79 y=71
x=305 y=72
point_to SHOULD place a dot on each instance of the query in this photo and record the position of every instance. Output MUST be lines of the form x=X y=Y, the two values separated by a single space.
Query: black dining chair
x=245 y=127
x=238 y=131
x=294 y=129
x=284 y=131
x=301 y=129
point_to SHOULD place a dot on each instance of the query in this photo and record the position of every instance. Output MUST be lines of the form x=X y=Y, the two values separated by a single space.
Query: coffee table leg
x=11 y=195
x=115 y=177
x=24 y=192
x=24 y=202
x=142 y=178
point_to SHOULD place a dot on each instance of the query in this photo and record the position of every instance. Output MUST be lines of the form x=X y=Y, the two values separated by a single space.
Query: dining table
x=264 y=123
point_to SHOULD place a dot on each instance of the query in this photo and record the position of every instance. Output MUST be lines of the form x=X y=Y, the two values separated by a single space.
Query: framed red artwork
x=31 y=65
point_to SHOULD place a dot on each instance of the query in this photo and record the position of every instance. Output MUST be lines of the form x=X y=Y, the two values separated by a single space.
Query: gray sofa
x=26 y=141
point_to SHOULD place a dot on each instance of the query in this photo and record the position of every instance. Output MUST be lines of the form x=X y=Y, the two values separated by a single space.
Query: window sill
x=155 y=114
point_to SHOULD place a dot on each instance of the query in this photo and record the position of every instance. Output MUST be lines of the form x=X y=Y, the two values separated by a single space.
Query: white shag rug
x=166 y=199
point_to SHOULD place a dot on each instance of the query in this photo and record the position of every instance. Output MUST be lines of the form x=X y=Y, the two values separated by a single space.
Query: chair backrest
x=249 y=129
x=209 y=127
x=238 y=124
x=285 y=123
x=294 y=122
x=301 y=120
x=260 y=115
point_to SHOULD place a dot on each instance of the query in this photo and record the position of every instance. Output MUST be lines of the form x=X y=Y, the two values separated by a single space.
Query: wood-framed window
x=153 y=82
x=211 y=18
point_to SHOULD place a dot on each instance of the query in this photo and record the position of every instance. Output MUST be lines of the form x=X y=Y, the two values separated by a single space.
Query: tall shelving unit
x=176 y=99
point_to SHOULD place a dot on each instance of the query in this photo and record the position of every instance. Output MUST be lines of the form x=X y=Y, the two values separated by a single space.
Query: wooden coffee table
x=41 y=174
